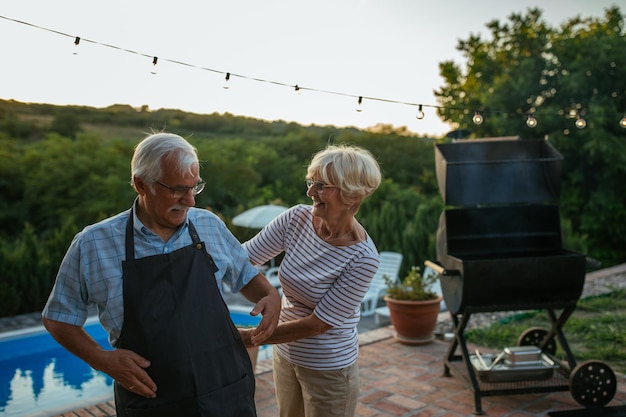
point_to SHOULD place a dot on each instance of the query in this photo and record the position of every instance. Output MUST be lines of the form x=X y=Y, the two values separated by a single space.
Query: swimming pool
x=39 y=378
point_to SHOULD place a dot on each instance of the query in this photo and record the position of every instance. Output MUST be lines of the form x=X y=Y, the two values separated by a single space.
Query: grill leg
x=557 y=329
x=452 y=348
x=478 y=409
x=460 y=342
x=458 y=329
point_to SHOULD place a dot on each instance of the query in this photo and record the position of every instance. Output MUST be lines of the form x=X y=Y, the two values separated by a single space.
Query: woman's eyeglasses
x=319 y=186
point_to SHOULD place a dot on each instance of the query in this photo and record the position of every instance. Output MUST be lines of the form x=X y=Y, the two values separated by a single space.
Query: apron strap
x=195 y=238
x=130 y=236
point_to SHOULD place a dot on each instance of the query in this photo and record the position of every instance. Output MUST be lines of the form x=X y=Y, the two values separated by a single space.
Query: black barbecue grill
x=499 y=249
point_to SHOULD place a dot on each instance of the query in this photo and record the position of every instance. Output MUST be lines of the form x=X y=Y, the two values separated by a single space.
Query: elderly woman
x=329 y=261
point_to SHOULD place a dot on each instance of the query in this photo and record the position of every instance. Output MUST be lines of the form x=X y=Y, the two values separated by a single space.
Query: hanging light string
x=478 y=117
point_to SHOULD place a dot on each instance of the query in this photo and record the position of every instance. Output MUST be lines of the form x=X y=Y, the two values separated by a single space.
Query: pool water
x=37 y=374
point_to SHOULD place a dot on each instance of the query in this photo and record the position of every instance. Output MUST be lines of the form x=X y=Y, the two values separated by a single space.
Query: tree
x=66 y=124
x=556 y=75
x=86 y=178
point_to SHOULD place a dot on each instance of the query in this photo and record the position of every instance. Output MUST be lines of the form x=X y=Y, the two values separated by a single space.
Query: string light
x=477 y=118
x=580 y=122
x=358 y=104
x=420 y=113
x=154 y=70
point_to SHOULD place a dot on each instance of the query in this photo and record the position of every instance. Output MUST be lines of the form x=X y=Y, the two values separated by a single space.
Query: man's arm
x=125 y=366
x=267 y=303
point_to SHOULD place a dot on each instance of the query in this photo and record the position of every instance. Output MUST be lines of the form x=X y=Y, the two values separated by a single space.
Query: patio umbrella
x=258 y=217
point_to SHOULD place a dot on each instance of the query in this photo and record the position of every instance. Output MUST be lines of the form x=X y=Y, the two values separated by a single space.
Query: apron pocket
x=234 y=400
x=185 y=408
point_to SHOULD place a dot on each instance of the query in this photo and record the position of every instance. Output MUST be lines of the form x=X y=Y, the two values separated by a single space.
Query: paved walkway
x=403 y=381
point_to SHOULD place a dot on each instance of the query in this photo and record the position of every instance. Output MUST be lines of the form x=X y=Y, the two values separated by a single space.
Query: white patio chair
x=390 y=263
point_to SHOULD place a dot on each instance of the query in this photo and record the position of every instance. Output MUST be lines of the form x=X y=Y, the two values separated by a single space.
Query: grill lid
x=498 y=171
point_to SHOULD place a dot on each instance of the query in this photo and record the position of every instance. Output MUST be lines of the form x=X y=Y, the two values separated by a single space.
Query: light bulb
x=420 y=113
x=76 y=42
x=226 y=85
x=478 y=118
x=154 y=70
x=358 y=104
x=531 y=121
x=580 y=122
x=622 y=122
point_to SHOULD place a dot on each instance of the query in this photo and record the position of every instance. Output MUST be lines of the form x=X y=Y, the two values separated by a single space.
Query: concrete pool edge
x=78 y=404
x=33 y=330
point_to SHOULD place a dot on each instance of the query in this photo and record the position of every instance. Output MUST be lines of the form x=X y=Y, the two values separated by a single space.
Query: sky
x=336 y=50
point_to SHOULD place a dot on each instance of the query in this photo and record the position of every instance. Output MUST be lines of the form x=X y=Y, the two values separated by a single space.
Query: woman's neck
x=340 y=233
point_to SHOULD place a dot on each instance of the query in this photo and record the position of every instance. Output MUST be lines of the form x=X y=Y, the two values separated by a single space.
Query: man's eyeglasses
x=319 y=186
x=180 y=192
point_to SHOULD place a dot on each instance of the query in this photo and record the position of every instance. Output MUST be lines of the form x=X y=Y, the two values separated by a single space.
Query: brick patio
x=401 y=381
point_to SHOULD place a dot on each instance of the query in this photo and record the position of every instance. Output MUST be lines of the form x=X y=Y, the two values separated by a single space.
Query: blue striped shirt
x=319 y=278
x=91 y=271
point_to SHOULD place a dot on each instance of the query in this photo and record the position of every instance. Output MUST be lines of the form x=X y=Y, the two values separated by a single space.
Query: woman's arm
x=289 y=331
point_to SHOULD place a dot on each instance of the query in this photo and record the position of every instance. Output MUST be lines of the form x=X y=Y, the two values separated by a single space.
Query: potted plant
x=413 y=307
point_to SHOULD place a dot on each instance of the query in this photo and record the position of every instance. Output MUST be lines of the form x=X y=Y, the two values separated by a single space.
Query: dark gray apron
x=175 y=317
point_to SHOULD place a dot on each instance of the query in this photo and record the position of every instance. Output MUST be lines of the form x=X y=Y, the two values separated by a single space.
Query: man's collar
x=139 y=227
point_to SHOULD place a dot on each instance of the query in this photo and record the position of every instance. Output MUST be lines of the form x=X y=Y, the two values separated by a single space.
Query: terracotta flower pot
x=413 y=321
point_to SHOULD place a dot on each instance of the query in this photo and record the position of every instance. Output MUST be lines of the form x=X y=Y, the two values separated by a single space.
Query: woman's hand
x=267 y=300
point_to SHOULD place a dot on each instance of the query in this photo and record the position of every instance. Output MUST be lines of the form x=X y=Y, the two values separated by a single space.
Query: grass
x=596 y=330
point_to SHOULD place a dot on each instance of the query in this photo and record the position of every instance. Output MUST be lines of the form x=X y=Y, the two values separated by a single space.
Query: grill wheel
x=533 y=336
x=593 y=384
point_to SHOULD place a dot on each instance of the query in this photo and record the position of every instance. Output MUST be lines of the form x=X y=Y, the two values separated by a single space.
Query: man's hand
x=125 y=366
x=245 y=336
x=128 y=369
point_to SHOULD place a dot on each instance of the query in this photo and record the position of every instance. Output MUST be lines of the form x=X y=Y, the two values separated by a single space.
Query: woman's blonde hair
x=352 y=169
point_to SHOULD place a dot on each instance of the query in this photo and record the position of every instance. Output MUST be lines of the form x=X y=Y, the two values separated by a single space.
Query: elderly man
x=155 y=274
